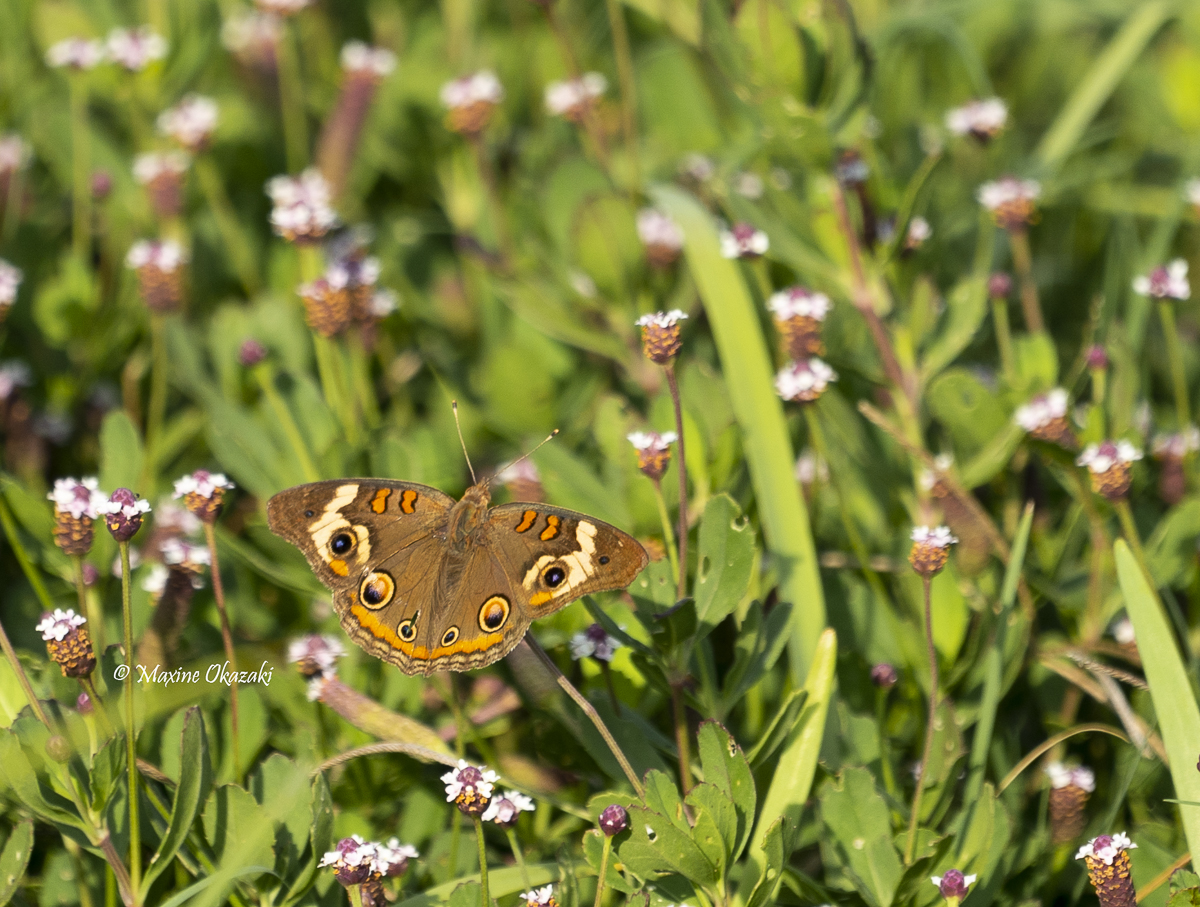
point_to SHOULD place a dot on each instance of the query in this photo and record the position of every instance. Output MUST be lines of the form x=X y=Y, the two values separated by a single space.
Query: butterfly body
x=429 y=583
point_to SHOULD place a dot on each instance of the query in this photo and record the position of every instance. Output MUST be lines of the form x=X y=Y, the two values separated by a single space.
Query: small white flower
x=744 y=241
x=1100 y=458
x=14 y=153
x=1191 y=192
x=1167 y=282
x=697 y=167
x=1106 y=848
x=155 y=580
x=748 y=185
x=391 y=859
x=250 y=32
x=804 y=380
x=163 y=255
x=571 y=97
x=302 y=205
x=201 y=482
x=469 y=777
x=180 y=552
x=171 y=519
x=1008 y=190
x=129 y=511
x=383 y=303
x=77 y=53
x=655 y=228
x=799 y=302
x=10 y=281
x=595 y=643
x=136 y=48
x=1122 y=631
x=78 y=497
x=810 y=468
x=1178 y=444
x=57 y=624
x=322 y=651
x=918 y=232
x=539 y=897
x=1077 y=776
x=13 y=374
x=149 y=167
x=482 y=86
x=505 y=809
x=359 y=57
x=661 y=319
x=982 y=119
x=1042 y=410
x=191 y=122
x=652 y=440
x=934 y=536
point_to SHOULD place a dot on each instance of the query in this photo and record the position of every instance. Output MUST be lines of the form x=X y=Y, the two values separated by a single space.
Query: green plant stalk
x=491 y=184
x=1132 y=538
x=237 y=242
x=22 y=556
x=1166 y=314
x=664 y=516
x=88 y=608
x=89 y=687
x=625 y=76
x=483 y=866
x=135 y=830
x=23 y=679
x=885 y=756
x=360 y=377
x=606 y=670
x=291 y=101
x=81 y=189
x=914 y=817
x=210 y=536
x=455 y=836
x=1018 y=242
x=681 y=470
x=12 y=204
x=519 y=857
x=355 y=893
x=265 y=377
x=1004 y=338
x=605 y=853
x=156 y=408
x=682 y=745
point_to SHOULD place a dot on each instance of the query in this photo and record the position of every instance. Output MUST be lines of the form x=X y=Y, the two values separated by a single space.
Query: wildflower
x=68 y=642
x=361 y=59
x=810 y=468
x=136 y=48
x=10 y=282
x=392 y=858
x=123 y=513
x=352 y=861
x=251 y=353
x=355 y=276
x=1109 y=464
x=884 y=676
x=573 y=99
x=162 y=175
x=1011 y=201
x=76 y=53
x=697 y=167
x=14 y=154
x=1122 y=632
x=173 y=520
x=102 y=184
x=919 y=232
x=540 y=897
x=999 y=286
x=252 y=37
x=383 y=303
x=76 y=505
x=1192 y=193
x=302 y=212
x=930 y=549
x=799 y=314
x=1171 y=450
x=182 y=559
x=1107 y=861
x=953 y=885
x=851 y=169
x=744 y=241
x=661 y=236
x=614 y=820
x=748 y=185
x=507 y=808
x=191 y=122
x=804 y=380
x=314 y=654
x=203 y=493
x=653 y=452
x=1097 y=358
x=159 y=266
x=365 y=68
x=83 y=704
x=326 y=308
x=661 y=335
x=981 y=120
x=522 y=480
x=1165 y=282
x=469 y=788
x=1069 y=791
x=594 y=642
x=1045 y=418
x=470 y=102
x=283 y=7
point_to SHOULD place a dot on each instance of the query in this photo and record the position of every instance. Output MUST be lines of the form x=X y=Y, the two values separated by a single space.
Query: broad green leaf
x=593 y=851
x=14 y=859
x=108 y=767
x=663 y=797
x=966 y=309
x=861 y=824
x=43 y=803
x=1183 y=889
x=199 y=887
x=970 y=412
x=726 y=559
x=1170 y=687
x=725 y=766
x=1036 y=363
x=656 y=845
x=120 y=452
x=759 y=643
x=778 y=844
x=468 y=894
x=715 y=824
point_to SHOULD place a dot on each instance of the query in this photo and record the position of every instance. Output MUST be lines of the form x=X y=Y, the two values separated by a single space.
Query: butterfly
x=429 y=583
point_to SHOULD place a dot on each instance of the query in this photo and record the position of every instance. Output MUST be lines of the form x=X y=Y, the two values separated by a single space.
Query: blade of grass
x=1170 y=689
x=759 y=412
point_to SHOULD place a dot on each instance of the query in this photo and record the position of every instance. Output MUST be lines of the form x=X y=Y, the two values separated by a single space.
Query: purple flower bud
x=614 y=820
x=90 y=574
x=83 y=704
x=251 y=353
x=123 y=514
x=953 y=885
x=1097 y=358
x=102 y=184
x=999 y=285
x=884 y=676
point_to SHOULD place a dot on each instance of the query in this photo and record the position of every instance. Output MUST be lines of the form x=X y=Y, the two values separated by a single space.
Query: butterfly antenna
x=458 y=425
x=526 y=456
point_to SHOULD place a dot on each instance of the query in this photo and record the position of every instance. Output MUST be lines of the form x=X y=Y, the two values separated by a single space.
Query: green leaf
x=725 y=766
x=657 y=845
x=195 y=780
x=726 y=559
x=1183 y=889
x=43 y=803
x=593 y=851
x=736 y=327
x=501 y=883
x=14 y=859
x=777 y=846
x=1035 y=361
x=192 y=890
x=108 y=767
x=967 y=409
x=468 y=894
x=120 y=452
x=1170 y=688
x=759 y=643
x=715 y=826
x=779 y=729
x=861 y=824
x=966 y=309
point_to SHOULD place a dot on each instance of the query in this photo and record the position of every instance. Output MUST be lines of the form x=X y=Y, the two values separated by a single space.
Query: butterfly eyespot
x=554 y=575
x=604 y=559
x=494 y=614
x=377 y=590
x=310 y=514
x=342 y=544
x=450 y=637
x=407 y=630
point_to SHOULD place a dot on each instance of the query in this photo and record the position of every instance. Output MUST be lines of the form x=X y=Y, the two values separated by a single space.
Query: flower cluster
x=159 y=265
x=367 y=863
x=804 y=380
x=76 y=53
x=203 y=492
x=470 y=102
x=981 y=120
x=470 y=788
x=135 y=48
x=594 y=642
x=315 y=655
x=573 y=99
x=953 y=885
x=1107 y=861
x=506 y=809
x=661 y=237
x=930 y=549
x=1045 y=418
x=77 y=504
x=67 y=642
x=662 y=335
x=191 y=122
x=1168 y=281
x=1011 y=201
x=744 y=241
x=540 y=897
x=799 y=314
x=123 y=513
x=1109 y=464
x=302 y=211
x=1069 y=791
x=162 y=175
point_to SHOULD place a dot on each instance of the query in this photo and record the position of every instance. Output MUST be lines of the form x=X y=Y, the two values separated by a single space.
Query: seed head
x=653 y=451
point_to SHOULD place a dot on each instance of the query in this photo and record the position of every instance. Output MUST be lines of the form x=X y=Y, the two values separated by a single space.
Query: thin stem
x=1129 y=530
x=483 y=867
x=266 y=382
x=679 y=712
x=157 y=407
x=81 y=190
x=237 y=242
x=355 y=894
x=606 y=670
x=124 y=885
x=914 y=818
x=590 y=711
x=12 y=203
x=885 y=756
x=625 y=75
x=487 y=174
x=673 y=384
x=604 y=855
x=455 y=836
x=1003 y=338
x=88 y=609
x=210 y=536
x=89 y=687
x=668 y=531
x=18 y=550
x=1018 y=241
x=1166 y=313
x=135 y=831
x=360 y=378
x=519 y=857
x=23 y=679
x=291 y=102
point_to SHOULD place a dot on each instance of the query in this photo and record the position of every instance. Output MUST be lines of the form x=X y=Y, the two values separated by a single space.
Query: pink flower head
x=136 y=48
x=1042 y=410
x=191 y=122
x=149 y=167
x=569 y=99
x=981 y=119
x=55 y=625
x=655 y=228
x=10 y=282
x=1106 y=848
x=744 y=241
x=201 y=482
x=1100 y=458
x=799 y=302
x=953 y=884
x=374 y=62
x=482 y=86
x=162 y=255
x=76 y=53
x=804 y=380
x=123 y=513
x=1165 y=282
x=507 y=808
x=594 y=642
x=1060 y=776
x=540 y=897
x=315 y=654
x=302 y=206
x=391 y=859
x=78 y=497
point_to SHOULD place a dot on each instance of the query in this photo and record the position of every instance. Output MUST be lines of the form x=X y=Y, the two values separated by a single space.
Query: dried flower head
x=594 y=642
x=470 y=102
x=574 y=98
x=982 y=120
x=469 y=787
x=804 y=380
x=123 y=513
x=540 y=897
x=661 y=237
x=799 y=314
x=1107 y=861
x=1168 y=281
x=884 y=676
x=302 y=211
x=203 y=492
x=614 y=820
x=76 y=504
x=744 y=241
x=506 y=809
x=662 y=335
x=361 y=59
x=1011 y=201
x=68 y=642
x=136 y=48
x=1045 y=418
x=1110 y=464
x=76 y=53
x=953 y=885
x=930 y=549
x=10 y=282
x=315 y=654
x=653 y=451
x=191 y=122
x=159 y=266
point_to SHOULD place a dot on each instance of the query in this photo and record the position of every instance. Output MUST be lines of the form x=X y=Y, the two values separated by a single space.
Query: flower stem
x=266 y=382
x=12 y=204
x=483 y=868
x=93 y=613
x=606 y=670
x=668 y=532
x=1018 y=241
x=519 y=857
x=291 y=102
x=604 y=855
x=914 y=817
x=237 y=242
x=1003 y=338
x=157 y=407
x=89 y=687
x=679 y=711
x=885 y=756
x=673 y=384
x=355 y=893
x=1166 y=314
x=590 y=711
x=625 y=75
x=23 y=679
x=455 y=836
x=135 y=831
x=210 y=535
x=81 y=190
